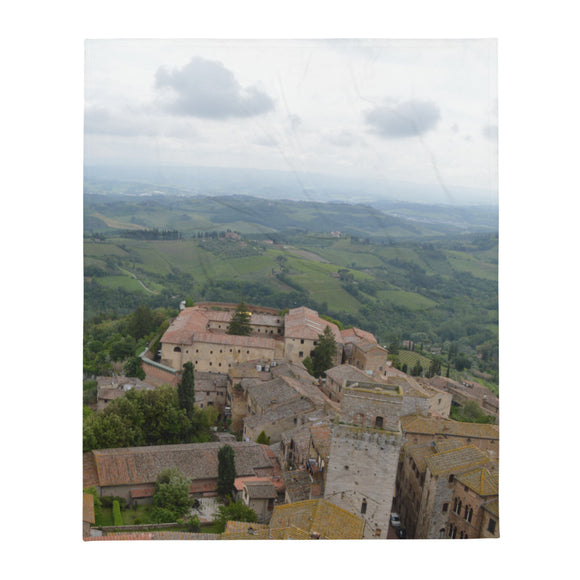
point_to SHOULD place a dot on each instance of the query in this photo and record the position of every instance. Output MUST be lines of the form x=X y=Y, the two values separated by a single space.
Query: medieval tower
x=364 y=453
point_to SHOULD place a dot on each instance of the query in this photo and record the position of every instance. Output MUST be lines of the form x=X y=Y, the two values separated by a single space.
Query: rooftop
x=481 y=481
x=456 y=461
x=317 y=518
x=439 y=426
x=141 y=465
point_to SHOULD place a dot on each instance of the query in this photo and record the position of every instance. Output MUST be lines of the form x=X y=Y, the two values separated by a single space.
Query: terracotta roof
x=456 y=461
x=480 y=480
x=260 y=489
x=90 y=477
x=356 y=334
x=492 y=507
x=419 y=451
x=440 y=426
x=342 y=373
x=198 y=461
x=182 y=329
x=305 y=323
x=88 y=508
x=240 y=481
x=317 y=517
x=245 y=531
x=296 y=406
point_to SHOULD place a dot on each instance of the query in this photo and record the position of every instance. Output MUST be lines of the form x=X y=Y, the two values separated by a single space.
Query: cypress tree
x=240 y=322
x=186 y=389
x=323 y=353
x=226 y=471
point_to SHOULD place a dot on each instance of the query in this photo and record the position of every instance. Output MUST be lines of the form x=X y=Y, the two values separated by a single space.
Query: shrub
x=117 y=517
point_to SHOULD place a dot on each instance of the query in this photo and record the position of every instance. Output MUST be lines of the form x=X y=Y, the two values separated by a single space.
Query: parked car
x=402 y=533
x=395 y=520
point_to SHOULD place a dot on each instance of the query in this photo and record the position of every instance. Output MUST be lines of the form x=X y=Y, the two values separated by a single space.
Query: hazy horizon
x=405 y=119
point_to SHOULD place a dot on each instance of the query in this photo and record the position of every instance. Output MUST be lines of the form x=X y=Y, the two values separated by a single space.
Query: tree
x=263 y=439
x=226 y=471
x=323 y=353
x=186 y=389
x=134 y=368
x=240 y=322
x=172 y=493
x=234 y=512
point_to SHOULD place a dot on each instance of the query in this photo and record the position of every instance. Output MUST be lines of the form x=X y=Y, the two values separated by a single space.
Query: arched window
x=177 y=349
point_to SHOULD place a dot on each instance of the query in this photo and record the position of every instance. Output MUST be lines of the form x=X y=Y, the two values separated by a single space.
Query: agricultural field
x=282 y=254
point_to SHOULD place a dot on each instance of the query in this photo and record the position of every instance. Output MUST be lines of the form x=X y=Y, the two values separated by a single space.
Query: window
x=301 y=341
x=445 y=507
x=363 y=507
x=491 y=526
x=379 y=422
x=177 y=349
x=300 y=354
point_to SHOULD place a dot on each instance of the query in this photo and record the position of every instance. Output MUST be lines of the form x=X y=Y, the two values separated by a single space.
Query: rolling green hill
x=435 y=290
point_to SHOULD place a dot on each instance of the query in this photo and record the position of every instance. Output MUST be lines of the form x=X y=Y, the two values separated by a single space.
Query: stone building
x=337 y=377
x=110 y=388
x=436 y=481
x=302 y=329
x=469 y=515
x=420 y=429
x=364 y=454
x=131 y=472
x=198 y=335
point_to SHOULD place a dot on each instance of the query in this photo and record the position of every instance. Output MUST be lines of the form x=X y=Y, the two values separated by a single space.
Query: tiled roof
x=90 y=477
x=440 y=426
x=182 y=329
x=88 y=508
x=234 y=340
x=198 y=461
x=492 y=507
x=456 y=461
x=245 y=531
x=342 y=373
x=317 y=517
x=305 y=323
x=270 y=393
x=297 y=406
x=419 y=451
x=480 y=480
x=260 y=489
x=356 y=334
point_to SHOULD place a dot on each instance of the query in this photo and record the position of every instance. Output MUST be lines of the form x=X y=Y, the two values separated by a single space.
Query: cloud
x=490 y=132
x=402 y=120
x=342 y=139
x=133 y=122
x=101 y=121
x=206 y=89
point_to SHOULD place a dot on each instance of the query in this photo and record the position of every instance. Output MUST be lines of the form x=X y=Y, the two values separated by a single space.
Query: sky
x=415 y=111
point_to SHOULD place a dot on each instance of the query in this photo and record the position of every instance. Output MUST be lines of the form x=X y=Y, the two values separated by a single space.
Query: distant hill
x=132 y=205
x=297 y=186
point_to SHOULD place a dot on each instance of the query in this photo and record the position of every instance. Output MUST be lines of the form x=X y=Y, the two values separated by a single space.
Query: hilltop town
x=362 y=451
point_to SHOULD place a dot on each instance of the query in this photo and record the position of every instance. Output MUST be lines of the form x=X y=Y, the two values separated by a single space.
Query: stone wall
x=156 y=375
x=361 y=474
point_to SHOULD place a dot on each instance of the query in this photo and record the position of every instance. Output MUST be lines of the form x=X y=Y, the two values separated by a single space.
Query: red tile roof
x=305 y=323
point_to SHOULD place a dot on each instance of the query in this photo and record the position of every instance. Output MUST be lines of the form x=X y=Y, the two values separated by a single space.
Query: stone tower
x=364 y=453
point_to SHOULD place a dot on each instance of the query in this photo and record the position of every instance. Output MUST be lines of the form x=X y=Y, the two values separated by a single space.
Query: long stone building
x=198 y=335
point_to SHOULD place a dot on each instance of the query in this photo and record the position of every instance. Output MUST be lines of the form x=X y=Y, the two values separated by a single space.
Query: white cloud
x=207 y=89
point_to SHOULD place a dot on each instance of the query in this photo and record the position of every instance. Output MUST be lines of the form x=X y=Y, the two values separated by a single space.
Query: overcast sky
x=421 y=111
